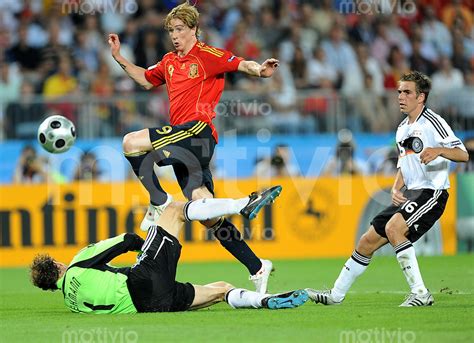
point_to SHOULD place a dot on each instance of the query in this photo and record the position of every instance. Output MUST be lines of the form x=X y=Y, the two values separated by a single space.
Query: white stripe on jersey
x=434 y=132
x=425 y=208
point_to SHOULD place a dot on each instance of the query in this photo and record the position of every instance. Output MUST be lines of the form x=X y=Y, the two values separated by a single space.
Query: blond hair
x=187 y=13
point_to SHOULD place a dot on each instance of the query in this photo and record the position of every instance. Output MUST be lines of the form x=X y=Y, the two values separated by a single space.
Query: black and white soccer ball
x=56 y=134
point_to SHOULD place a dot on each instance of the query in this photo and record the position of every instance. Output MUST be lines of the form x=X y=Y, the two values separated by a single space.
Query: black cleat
x=258 y=200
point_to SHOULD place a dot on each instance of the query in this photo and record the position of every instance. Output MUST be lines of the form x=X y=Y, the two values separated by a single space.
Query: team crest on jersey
x=193 y=71
x=170 y=70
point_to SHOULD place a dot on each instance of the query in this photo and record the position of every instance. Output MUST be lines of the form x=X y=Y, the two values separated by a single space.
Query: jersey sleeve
x=104 y=251
x=218 y=61
x=155 y=74
x=445 y=136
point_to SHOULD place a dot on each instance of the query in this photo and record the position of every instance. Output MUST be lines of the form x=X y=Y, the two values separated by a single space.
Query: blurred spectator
x=363 y=31
x=115 y=21
x=149 y=48
x=338 y=51
x=396 y=36
x=461 y=57
x=370 y=108
x=268 y=32
x=418 y=61
x=280 y=164
x=285 y=117
x=436 y=33
x=446 y=78
x=457 y=15
x=320 y=73
x=86 y=57
x=293 y=40
x=54 y=48
x=106 y=113
x=324 y=17
x=23 y=116
x=27 y=56
x=10 y=82
x=62 y=85
x=30 y=168
x=459 y=104
x=241 y=44
x=380 y=47
x=344 y=162
x=88 y=168
x=299 y=69
x=354 y=78
x=397 y=66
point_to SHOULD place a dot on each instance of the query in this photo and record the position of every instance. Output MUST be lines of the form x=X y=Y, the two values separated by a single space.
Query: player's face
x=408 y=100
x=182 y=37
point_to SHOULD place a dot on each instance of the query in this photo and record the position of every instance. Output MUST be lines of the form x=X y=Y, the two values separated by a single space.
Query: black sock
x=231 y=239
x=142 y=166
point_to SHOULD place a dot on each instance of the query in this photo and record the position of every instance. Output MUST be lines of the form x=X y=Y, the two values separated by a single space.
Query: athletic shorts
x=422 y=209
x=152 y=280
x=188 y=148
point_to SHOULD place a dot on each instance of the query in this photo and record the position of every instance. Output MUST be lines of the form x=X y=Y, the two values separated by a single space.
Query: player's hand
x=114 y=43
x=269 y=67
x=429 y=154
x=397 y=197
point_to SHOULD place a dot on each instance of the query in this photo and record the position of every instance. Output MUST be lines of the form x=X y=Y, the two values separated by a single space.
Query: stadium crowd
x=355 y=50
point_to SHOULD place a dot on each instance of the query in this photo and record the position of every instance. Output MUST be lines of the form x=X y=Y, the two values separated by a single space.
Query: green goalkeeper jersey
x=90 y=285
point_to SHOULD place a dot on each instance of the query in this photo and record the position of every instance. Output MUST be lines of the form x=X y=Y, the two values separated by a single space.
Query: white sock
x=204 y=209
x=353 y=267
x=242 y=298
x=406 y=257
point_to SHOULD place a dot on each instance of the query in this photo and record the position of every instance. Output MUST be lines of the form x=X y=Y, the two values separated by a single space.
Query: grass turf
x=370 y=312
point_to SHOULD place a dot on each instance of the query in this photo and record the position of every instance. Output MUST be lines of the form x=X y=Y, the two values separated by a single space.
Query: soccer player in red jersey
x=194 y=78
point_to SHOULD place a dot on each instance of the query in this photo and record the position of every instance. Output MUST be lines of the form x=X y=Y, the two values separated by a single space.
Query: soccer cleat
x=260 y=279
x=414 y=299
x=258 y=200
x=153 y=214
x=286 y=300
x=322 y=297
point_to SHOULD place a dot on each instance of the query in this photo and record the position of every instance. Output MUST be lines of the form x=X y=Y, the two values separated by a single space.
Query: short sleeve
x=218 y=61
x=446 y=137
x=155 y=74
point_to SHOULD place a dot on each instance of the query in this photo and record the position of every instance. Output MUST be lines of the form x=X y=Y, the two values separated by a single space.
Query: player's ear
x=421 y=98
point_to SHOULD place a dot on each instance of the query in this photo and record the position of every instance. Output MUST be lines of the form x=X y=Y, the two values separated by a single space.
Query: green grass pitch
x=370 y=312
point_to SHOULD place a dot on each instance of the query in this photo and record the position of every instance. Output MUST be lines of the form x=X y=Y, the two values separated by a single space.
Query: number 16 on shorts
x=409 y=206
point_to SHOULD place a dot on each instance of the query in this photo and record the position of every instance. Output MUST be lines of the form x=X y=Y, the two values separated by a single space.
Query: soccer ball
x=56 y=134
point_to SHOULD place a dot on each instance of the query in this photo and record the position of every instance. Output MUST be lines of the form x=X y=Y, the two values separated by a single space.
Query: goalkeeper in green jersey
x=90 y=285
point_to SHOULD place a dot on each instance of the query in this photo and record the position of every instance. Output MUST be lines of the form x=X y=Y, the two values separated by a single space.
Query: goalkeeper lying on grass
x=90 y=285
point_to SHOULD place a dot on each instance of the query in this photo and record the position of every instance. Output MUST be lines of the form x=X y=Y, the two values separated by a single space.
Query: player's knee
x=366 y=245
x=392 y=230
x=128 y=143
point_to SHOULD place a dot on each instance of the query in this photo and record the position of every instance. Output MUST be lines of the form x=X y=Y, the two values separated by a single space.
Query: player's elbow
x=465 y=156
x=147 y=86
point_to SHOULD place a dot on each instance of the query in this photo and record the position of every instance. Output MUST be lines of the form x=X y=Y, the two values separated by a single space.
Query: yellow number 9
x=164 y=130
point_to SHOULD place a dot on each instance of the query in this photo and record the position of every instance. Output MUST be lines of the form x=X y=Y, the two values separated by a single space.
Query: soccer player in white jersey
x=426 y=144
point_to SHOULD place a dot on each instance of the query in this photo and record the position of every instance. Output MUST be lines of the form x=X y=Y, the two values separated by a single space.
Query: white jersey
x=428 y=130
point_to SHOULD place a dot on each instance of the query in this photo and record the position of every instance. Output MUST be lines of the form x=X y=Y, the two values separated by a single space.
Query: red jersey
x=194 y=82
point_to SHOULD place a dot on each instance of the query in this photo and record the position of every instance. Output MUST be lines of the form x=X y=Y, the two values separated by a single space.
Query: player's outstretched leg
x=205 y=209
x=229 y=236
x=258 y=200
x=242 y=298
